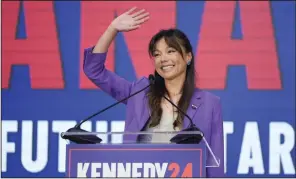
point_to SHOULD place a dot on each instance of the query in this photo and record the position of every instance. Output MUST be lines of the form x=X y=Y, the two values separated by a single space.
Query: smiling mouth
x=168 y=67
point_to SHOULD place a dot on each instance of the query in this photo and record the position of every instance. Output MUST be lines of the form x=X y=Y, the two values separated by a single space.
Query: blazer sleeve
x=217 y=142
x=108 y=81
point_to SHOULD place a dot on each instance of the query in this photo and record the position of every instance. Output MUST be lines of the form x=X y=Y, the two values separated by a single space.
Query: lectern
x=118 y=156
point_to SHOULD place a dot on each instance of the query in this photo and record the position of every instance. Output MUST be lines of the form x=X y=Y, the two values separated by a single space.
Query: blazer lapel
x=193 y=107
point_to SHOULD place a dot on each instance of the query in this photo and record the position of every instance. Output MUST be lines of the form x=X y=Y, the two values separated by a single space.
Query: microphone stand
x=93 y=139
x=186 y=138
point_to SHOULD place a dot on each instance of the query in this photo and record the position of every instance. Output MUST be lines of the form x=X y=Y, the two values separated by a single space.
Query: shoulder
x=140 y=83
x=207 y=98
x=206 y=95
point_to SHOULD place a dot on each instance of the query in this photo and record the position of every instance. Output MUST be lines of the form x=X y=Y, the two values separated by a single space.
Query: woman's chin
x=168 y=76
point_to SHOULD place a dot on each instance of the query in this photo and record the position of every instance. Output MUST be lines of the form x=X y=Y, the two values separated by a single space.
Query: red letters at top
x=257 y=51
x=215 y=53
x=39 y=51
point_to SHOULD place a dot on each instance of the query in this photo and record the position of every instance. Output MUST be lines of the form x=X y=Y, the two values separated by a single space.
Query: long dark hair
x=177 y=40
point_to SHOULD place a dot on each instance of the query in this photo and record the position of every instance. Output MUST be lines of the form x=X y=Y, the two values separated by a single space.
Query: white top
x=165 y=125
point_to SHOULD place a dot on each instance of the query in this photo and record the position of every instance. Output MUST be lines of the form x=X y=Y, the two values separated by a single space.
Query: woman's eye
x=171 y=51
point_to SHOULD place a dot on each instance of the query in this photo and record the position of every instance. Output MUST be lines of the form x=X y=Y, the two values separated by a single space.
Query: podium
x=119 y=155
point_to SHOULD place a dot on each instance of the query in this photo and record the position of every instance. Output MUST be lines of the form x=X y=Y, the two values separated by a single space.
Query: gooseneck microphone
x=186 y=138
x=93 y=139
x=179 y=109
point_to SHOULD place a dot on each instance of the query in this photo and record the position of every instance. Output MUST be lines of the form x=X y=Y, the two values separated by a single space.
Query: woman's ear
x=189 y=58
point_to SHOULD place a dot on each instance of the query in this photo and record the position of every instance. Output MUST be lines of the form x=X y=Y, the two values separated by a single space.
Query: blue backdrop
x=31 y=116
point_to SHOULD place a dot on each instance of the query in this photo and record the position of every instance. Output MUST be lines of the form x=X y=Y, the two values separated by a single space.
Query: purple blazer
x=205 y=108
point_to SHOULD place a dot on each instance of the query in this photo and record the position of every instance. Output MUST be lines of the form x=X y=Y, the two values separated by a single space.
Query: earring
x=189 y=62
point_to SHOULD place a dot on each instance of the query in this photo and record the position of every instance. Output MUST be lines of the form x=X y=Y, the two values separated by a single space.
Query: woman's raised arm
x=95 y=57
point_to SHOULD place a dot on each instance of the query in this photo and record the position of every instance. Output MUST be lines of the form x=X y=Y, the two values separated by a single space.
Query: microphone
x=186 y=138
x=93 y=139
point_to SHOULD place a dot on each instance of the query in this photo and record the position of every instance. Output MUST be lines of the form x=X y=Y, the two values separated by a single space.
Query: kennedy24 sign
x=148 y=160
x=215 y=52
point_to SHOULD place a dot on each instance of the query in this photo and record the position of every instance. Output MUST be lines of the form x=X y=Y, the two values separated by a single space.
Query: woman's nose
x=164 y=58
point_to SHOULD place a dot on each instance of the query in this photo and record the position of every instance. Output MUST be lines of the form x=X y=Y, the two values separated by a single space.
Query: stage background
x=245 y=54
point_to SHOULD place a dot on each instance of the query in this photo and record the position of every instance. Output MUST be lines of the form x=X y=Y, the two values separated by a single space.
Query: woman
x=175 y=78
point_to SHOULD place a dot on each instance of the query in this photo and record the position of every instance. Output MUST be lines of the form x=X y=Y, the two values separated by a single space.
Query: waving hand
x=130 y=20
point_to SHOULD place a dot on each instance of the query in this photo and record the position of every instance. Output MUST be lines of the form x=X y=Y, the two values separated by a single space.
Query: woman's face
x=169 y=63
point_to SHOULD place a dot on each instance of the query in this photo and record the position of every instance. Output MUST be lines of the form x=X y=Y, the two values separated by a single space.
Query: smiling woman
x=174 y=73
x=174 y=79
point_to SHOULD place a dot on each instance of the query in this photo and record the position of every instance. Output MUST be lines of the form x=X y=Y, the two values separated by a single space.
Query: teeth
x=167 y=67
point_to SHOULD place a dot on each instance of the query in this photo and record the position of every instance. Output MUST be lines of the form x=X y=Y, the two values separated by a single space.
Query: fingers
x=141 y=21
x=138 y=17
x=138 y=13
x=141 y=16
